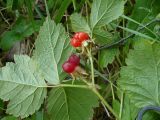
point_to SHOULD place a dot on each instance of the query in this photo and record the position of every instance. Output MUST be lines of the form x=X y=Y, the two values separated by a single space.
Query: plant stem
x=105 y=102
x=111 y=87
x=94 y=90
x=39 y=12
x=121 y=106
x=112 y=92
x=89 y=3
x=92 y=67
x=47 y=10
x=102 y=76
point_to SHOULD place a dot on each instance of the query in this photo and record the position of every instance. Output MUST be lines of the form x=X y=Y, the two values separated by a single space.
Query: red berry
x=76 y=35
x=68 y=67
x=74 y=59
x=82 y=36
x=76 y=42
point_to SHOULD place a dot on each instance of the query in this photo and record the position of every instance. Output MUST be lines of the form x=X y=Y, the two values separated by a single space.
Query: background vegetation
x=125 y=51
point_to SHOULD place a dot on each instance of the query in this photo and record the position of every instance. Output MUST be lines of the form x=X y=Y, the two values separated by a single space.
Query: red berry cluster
x=76 y=41
x=70 y=65
x=78 y=38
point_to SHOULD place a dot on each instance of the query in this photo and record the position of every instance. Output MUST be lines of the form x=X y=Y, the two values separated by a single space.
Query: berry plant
x=86 y=60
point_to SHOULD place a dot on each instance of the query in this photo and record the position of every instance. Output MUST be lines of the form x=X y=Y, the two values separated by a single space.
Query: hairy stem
x=92 y=67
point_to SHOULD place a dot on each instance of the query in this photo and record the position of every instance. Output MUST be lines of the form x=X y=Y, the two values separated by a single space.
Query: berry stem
x=92 y=67
x=73 y=78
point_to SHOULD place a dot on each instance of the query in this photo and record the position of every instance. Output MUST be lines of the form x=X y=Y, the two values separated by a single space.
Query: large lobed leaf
x=141 y=77
x=105 y=11
x=79 y=23
x=71 y=104
x=22 y=85
x=52 y=49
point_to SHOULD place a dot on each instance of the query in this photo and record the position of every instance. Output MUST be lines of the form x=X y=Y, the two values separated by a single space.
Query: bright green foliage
x=140 y=78
x=71 y=103
x=107 y=56
x=105 y=11
x=143 y=12
x=9 y=118
x=52 y=49
x=22 y=85
x=21 y=29
x=79 y=23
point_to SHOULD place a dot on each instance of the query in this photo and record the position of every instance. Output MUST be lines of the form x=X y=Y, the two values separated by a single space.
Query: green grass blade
x=29 y=5
x=62 y=10
x=134 y=21
x=135 y=32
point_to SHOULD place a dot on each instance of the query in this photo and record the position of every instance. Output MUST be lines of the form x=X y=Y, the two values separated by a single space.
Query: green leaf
x=22 y=85
x=116 y=106
x=107 y=56
x=144 y=12
x=130 y=111
x=102 y=37
x=140 y=78
x=105 y=11
x=9 y=118
x=39 y=115
x=21 y=29
x=151 y=115
x=71 y=104
x=79 y=23
x=52 y=49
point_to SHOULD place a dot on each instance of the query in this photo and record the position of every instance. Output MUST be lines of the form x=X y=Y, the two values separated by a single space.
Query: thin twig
x=106 y=109
x=123 y=40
